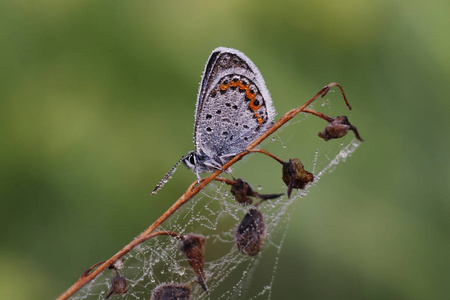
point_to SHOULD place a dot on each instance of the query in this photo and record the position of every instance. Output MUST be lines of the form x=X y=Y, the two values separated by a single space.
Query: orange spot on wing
x=252 y=105
x=260 y=119
x=243 y=86
x=248 y=94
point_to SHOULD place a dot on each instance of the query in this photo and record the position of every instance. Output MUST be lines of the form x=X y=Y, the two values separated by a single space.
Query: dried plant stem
x=193 y=189
x=319 y=114
x=268 y=154
x=226 y=180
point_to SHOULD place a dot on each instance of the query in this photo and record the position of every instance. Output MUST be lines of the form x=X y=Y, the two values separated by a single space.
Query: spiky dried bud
x=295 y=176
x=193 y=246
x=338 y=128
x=242 y=191
x=171 y=291
x=119 y=286
x=251 y=232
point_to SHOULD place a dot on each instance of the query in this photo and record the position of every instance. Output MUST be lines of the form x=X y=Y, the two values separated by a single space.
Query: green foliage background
x=97 y=102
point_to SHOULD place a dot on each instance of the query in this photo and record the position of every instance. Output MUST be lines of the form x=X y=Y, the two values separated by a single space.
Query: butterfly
x=233 y=109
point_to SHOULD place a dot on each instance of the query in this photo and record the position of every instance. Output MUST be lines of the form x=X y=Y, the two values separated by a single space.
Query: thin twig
x=268 y=154
x=192 y=191
x=319 y=114
x=226 y=180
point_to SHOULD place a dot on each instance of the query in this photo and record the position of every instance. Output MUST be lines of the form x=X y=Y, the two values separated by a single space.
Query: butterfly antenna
x=166 y=178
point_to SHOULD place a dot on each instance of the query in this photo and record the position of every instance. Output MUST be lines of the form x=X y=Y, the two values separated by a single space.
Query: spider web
x=215 y=214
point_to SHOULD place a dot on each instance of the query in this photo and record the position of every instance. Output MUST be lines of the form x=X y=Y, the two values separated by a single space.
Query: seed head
x=119 y=286
x=251 y=232
x=193 y=246
x=338 y=128
x=171 y=291
x=295 y=176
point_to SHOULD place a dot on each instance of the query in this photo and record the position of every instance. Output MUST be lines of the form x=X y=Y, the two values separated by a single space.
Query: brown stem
x=266 y=153
x=193 y=190
x=226 y=180
x=319 y=114
x=92 y=267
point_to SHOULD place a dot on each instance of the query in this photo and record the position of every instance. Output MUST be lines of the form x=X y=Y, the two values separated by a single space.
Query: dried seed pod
x=242 y=191
x=119 y=286
x=250 y=233
x=193 y=246
x=338 y=128
x=295 y=176
x=171 y=291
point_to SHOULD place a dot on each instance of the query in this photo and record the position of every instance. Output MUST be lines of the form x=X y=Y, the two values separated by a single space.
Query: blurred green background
x=97 y=101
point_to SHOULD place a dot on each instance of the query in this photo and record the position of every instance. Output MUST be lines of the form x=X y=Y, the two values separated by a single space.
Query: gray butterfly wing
x=234 y=106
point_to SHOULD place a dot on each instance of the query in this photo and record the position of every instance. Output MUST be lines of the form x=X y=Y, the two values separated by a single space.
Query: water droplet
x=181 y=271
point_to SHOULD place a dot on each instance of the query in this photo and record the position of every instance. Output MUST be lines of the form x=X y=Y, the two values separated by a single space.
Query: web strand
x=155 y=260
